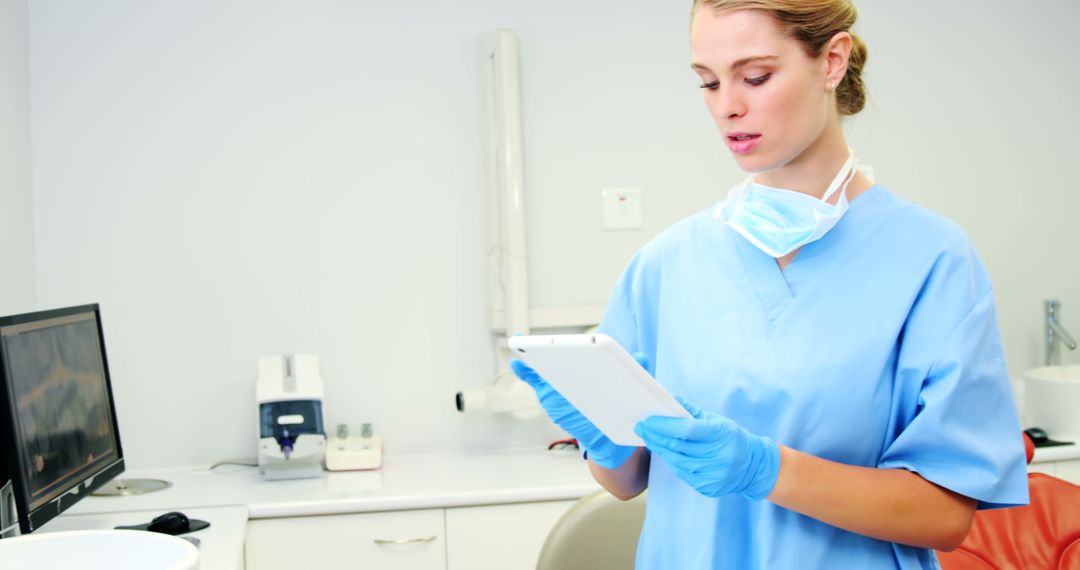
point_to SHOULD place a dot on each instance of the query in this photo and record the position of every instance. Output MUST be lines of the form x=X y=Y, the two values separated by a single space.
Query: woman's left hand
x=713 y=454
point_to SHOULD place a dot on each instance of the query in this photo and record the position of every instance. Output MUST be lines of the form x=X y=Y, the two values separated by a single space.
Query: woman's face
x=769 y=99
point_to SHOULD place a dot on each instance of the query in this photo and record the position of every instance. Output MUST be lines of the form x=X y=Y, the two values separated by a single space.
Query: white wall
x=16 y=196
x=972 y=115
x=242 y=178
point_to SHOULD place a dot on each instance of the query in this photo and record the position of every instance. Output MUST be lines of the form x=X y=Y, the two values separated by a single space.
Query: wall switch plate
x=622 y=209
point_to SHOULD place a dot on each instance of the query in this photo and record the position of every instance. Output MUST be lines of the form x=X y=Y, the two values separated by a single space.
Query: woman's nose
x=727 y=104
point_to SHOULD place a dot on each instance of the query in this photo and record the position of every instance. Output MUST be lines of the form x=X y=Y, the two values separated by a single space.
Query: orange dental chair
x=1044 y=535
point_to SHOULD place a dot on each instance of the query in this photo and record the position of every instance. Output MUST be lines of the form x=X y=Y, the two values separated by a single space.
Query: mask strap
x=843 y=177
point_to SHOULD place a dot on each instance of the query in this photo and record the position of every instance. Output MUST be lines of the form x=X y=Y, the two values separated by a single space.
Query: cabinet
x=503 y=537
x=412 y=540
x=499 y=537
x=1068 y=470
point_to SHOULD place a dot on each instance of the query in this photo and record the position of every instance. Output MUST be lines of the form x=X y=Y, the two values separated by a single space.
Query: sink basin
x=99 y=550
x=1052 y=397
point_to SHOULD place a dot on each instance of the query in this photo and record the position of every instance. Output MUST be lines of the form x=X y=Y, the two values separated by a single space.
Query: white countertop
x=403 y=482
x=221 y=545
x=231 y=495
x=1058 y=452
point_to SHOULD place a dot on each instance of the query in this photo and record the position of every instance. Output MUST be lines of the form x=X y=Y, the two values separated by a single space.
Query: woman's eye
x=710 y=85
x=758 y=80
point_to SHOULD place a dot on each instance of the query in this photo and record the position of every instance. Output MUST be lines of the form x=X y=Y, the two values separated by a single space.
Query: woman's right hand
x=601 y=450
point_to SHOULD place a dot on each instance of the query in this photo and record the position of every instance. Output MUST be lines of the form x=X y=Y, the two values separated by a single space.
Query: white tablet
x=600 y=379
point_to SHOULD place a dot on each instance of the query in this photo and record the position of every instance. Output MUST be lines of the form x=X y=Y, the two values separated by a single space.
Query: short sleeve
x=618 y=321
x=630 y=315
x=958 y=426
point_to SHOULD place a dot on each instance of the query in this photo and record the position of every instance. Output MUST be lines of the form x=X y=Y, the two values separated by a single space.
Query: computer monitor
x=58 y=428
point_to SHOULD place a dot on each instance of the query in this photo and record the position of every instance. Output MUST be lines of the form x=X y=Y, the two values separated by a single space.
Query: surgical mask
x=779 y=221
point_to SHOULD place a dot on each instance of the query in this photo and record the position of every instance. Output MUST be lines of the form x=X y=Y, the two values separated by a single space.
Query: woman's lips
x=742 y=143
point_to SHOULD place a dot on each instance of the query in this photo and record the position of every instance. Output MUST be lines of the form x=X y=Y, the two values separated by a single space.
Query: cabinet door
x=413 y=540
x=1048 y=467
x=1069 y=471
x=500 y=537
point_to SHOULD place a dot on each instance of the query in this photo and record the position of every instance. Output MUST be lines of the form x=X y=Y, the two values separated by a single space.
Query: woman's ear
x=837 y=52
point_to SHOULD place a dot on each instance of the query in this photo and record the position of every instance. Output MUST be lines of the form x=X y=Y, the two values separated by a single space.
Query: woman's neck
x=812 y=171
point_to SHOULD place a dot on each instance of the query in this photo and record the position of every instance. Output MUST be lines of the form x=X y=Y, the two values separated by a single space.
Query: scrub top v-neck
x=876 y=346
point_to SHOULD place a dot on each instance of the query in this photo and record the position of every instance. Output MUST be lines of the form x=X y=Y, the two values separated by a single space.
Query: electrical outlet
x=622 y=209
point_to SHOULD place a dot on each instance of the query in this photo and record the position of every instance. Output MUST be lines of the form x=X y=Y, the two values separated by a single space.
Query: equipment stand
x=8 y=515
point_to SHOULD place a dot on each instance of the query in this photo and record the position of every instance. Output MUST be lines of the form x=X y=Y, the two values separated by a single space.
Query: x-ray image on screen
x=61 y=403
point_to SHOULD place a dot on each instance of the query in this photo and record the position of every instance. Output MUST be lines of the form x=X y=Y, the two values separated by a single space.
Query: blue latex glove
x=601 y=450
x=713 y=454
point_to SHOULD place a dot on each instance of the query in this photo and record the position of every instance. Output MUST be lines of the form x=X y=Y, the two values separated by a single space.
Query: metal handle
x=1055 y=333
x=1065 y=337
x=405 y=540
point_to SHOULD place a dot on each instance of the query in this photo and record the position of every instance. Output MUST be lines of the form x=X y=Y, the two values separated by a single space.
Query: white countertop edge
x=181 y=506
x=1057 y=453
x=404 y=502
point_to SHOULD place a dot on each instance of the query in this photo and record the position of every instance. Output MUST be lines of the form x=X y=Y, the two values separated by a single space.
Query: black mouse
x=1037 y=435
x=173 y=522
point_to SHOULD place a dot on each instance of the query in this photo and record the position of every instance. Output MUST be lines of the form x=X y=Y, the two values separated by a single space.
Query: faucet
x=1055 y=334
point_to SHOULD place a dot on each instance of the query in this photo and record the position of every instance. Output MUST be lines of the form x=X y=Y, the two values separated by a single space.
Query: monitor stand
x=125 y=487
x=8 y=515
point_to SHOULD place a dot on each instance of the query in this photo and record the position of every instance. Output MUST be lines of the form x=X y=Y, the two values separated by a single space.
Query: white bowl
x=1052 y=399
x=98 y=550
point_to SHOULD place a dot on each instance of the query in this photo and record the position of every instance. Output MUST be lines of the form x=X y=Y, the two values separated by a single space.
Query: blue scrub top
x=877 y=346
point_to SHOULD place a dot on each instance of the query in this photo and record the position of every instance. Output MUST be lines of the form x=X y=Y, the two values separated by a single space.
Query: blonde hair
x=813 y=23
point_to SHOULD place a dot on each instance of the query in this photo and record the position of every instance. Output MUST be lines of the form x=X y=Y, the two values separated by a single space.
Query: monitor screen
x=61 y=440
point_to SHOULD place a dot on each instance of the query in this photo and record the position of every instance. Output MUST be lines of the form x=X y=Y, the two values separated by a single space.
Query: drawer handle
x=428 y=538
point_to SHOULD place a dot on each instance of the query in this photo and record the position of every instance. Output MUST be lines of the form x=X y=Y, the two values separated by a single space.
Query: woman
x=837 y=347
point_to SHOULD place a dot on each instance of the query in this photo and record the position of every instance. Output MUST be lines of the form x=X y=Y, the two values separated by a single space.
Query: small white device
x=350 y=453
x=600 y=379
x=289 y=393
